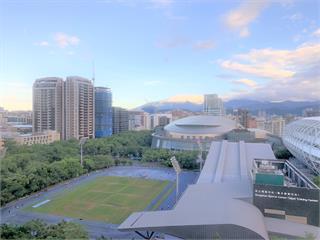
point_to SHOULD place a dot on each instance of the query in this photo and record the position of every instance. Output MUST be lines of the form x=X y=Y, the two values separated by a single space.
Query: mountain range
x=254 y=106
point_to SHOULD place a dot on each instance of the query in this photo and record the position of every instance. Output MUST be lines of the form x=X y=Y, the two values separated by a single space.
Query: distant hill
x=168 y=106
x=285 y=107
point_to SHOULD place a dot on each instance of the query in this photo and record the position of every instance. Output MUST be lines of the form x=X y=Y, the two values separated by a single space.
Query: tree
x=316 y=180
x=27 y=169
x=282 y=153
x=37 y=229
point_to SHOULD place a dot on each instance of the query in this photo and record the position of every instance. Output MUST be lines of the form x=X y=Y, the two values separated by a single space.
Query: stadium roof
x=224 y=180
x=201 y=124
x=216 y=205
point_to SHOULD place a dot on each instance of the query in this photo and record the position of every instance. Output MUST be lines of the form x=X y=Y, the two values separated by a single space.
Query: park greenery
x=282 y=153
x=316 y=180
x=37 y=229
x=185 y=158
x=29 y=169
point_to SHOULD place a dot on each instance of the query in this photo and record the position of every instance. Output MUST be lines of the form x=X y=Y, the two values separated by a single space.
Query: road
x=14 y=213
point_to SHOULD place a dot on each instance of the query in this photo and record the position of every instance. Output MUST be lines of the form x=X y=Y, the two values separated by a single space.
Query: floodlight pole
x=177 y=186
x=82 y=141
x=177 y=169
x=81 y=160
x=200 y=155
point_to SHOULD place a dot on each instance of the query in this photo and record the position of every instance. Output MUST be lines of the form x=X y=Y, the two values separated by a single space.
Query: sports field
x=109 y=199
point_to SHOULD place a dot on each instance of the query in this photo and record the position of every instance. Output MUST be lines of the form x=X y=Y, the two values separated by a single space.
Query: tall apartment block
x=243 y=117
x=103 y=112
x=120 y=120
x=48 y=105
x=79 y=108
x=277 y=126
x=213 y=105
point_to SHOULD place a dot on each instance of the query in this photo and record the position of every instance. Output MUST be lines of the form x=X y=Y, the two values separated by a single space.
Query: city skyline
x=153 y=50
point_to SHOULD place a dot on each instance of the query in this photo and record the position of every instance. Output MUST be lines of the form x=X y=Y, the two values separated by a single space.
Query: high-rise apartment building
x=243 y=117
x=48 y=105
x=79 y=108
x=120 y=120
x=261 y=123
x=160 y=119
x=213 y=105
x=103 y=112
x=139 y=120
x=277 y=126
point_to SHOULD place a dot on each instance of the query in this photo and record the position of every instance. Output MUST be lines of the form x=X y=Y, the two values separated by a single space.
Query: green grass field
x=109 y=199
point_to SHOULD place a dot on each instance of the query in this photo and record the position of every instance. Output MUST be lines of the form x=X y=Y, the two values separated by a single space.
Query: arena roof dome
x=201 y=124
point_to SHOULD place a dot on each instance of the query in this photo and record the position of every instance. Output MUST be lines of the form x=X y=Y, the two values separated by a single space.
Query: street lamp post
x=81 y=142
x=177 y=169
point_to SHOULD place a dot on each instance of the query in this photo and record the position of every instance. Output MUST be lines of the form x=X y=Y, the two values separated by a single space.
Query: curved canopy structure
x=302 y=138
x=220 y=204
x=203 y=124
x=225 y=180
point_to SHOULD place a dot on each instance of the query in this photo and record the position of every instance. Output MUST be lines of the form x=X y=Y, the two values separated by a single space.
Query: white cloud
x=64 y=40
x=262 y=70
x=288 y=74
x=42 y=44
x=316 y=33
x=271 y=63
x=247 y=82
x=204 y=45
x=294 y=17
x=239 y=19
x=244 y=32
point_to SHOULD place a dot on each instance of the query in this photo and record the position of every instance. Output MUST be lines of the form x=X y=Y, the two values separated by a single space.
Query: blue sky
x=159 y=49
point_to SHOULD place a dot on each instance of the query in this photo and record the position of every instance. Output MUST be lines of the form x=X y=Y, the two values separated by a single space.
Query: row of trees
x=37 y=229
x=187 y=159
x=28 y=169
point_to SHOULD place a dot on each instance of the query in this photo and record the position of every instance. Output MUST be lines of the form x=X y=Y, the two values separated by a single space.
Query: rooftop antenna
x=93 y=73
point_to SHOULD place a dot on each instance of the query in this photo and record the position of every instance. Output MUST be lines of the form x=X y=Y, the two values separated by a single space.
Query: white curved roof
x=202 y=124
x=302 y=138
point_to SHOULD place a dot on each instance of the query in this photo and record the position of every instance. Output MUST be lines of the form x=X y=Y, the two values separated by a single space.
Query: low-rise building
x=38 y=138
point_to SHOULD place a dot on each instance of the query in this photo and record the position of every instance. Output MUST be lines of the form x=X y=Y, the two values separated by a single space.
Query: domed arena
x=187 y=133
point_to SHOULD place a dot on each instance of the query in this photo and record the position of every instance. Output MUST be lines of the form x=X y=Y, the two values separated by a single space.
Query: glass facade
x=103 y=112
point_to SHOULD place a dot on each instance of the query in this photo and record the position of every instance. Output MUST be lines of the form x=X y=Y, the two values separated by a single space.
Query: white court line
x=41 y=203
